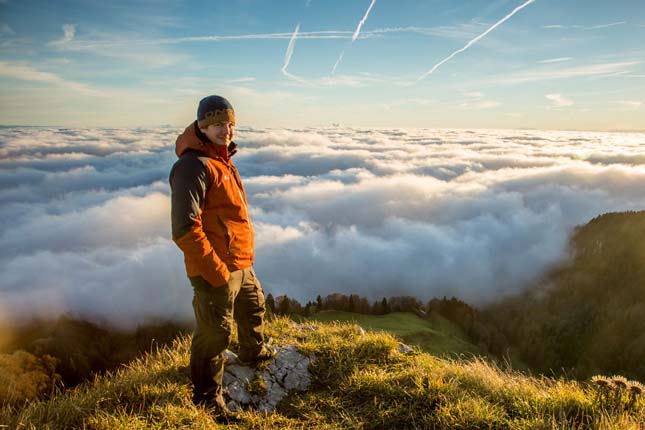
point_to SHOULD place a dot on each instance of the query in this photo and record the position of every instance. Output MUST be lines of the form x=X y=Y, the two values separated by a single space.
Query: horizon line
x=329 y=126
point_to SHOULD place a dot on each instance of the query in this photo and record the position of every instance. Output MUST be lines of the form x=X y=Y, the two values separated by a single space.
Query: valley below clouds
x=476 y=214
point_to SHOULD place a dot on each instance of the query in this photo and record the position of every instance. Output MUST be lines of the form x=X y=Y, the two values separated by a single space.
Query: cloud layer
x=85 y=228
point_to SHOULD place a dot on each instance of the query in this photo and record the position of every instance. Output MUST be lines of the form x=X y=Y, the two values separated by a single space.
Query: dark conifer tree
x=270 y=304
x=385 y=306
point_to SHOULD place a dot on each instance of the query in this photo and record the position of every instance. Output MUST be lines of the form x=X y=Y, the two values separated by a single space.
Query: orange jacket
x=210 y=217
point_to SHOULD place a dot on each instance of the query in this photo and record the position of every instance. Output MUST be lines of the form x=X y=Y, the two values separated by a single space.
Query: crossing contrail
x=355 y=35
x=340 y=57
x=475 y=40
x=289 y=53
x=287 y=57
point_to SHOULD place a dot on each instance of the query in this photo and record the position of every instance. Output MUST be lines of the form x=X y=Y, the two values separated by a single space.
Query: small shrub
x=616 y=393
x=26 y=377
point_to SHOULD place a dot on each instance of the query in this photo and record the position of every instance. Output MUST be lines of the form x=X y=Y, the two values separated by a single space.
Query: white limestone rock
x=288 y=370
x=404 y=349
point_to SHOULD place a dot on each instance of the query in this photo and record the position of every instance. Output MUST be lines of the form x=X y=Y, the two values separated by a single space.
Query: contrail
x=596 y=27
x=340 y=57
x=289 y=53
x=360 y=24
x=475 y=40
x=287 y=57
x=355 y=35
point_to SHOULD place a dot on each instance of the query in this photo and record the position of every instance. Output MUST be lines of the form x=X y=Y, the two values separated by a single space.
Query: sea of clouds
x=478 y=214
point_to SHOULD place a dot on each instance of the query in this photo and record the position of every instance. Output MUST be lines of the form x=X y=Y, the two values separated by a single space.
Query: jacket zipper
x=238 y=181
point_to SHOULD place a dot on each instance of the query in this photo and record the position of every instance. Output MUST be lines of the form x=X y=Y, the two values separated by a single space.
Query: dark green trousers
x=240 y=301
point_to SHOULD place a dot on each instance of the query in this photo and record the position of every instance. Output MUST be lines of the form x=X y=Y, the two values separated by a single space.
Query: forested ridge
x=587 y=315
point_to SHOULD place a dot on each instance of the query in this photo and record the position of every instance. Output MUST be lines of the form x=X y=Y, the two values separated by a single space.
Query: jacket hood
x=194 y=139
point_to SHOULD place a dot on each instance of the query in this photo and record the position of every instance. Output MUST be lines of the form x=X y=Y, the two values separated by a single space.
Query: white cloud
x=583 y=27
x=378 y=212
x=555 y=60
x=475 y=95
x=122 y=47
x=558 y=100
x=629 y=104
x=26 y=72
x=348 y=80
x=480 y=104
x=69 y=32
x=30 y=101
x=6 y=29
x=241 y=80
x=124 y=287
x=544 y=74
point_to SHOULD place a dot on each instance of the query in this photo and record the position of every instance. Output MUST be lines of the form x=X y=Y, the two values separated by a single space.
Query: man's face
x=220 y=133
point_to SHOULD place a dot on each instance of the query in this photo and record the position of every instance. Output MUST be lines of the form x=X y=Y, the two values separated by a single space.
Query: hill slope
x=360 y=381
x=435 y=334
x=588 y=315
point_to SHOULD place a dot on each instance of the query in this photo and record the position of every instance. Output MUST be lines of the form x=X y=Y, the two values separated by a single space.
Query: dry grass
x=360 y=382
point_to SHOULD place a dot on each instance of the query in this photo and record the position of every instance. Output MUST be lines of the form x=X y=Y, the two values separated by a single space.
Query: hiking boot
x=225 y=415
x=219 y=411
x=266 y=354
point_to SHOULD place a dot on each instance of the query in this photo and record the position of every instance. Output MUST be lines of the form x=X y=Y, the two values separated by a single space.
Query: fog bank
x=85 y=223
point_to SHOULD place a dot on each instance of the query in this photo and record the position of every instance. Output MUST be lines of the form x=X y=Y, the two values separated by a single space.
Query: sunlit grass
x=360 y=381
x=435 y=335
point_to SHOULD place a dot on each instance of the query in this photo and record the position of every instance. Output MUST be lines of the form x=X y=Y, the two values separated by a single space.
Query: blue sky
x=543 y=64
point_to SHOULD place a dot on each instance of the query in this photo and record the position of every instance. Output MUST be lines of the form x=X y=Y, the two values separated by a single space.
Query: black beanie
x=214 y=109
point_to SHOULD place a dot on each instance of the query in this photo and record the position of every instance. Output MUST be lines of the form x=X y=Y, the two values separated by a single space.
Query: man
x=211 y=225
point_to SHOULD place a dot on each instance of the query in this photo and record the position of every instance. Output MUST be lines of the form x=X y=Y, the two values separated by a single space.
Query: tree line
x=469 y=319
x=284 y=305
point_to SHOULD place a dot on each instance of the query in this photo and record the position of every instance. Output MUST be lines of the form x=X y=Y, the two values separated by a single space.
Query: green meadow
x=435 y=334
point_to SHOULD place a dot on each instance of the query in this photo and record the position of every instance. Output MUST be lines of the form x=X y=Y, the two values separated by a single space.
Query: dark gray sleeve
x=188 y=184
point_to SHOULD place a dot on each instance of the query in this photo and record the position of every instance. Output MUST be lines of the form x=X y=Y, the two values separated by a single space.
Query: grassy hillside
x=360 y=381
x=435 y=335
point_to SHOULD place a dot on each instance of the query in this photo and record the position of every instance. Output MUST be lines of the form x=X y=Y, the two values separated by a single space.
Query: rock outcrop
x=264 y=388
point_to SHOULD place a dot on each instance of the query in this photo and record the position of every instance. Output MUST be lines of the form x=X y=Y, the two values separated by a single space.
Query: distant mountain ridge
x=587 y=315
